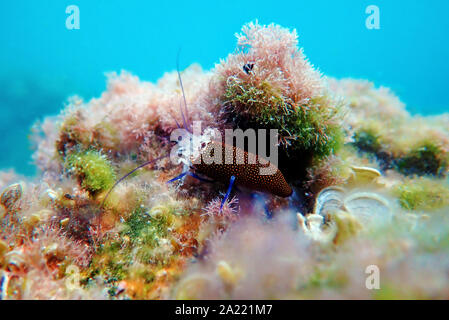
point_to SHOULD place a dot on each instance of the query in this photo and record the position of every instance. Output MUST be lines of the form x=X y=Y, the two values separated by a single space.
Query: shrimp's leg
x=182 y=175
x=261 y=205
x=231 y=183
x=178 y=177
x=199 y=178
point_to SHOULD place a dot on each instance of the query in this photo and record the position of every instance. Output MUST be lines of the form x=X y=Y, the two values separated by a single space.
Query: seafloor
x=368 y=217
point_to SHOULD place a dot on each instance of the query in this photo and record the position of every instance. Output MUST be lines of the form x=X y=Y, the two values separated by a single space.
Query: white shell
x=312 y=225
x=328 y=200
x=365 y=174
x=368 y=207
x=11 y=195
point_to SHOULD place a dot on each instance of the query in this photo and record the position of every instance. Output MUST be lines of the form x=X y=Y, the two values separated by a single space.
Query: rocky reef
x=369 y=187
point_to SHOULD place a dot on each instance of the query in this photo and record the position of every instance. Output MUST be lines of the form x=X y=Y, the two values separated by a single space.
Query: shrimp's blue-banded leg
x=199 y=178
x=178 y=177
x=182 y=175
x=259 y=200
x=231 y=183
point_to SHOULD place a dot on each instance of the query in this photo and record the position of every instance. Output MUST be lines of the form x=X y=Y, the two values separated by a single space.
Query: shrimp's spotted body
x=247 y=173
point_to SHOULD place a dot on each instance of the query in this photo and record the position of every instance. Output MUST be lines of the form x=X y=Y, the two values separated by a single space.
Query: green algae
x=423 y=194
x=145 y=229
x=367 y=140
x=425 y=159
x=309 y=127
x=139 y=241
x=93 y=170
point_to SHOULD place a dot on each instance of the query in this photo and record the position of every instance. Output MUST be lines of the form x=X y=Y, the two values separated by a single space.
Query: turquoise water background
x=42 y=62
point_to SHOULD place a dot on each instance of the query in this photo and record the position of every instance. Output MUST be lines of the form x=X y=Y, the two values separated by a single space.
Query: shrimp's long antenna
x=176 y=121
x=186 y=124
x=128 y=174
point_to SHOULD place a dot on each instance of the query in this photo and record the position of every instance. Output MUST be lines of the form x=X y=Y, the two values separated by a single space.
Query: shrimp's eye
x=203 y=145
x=248 y=67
